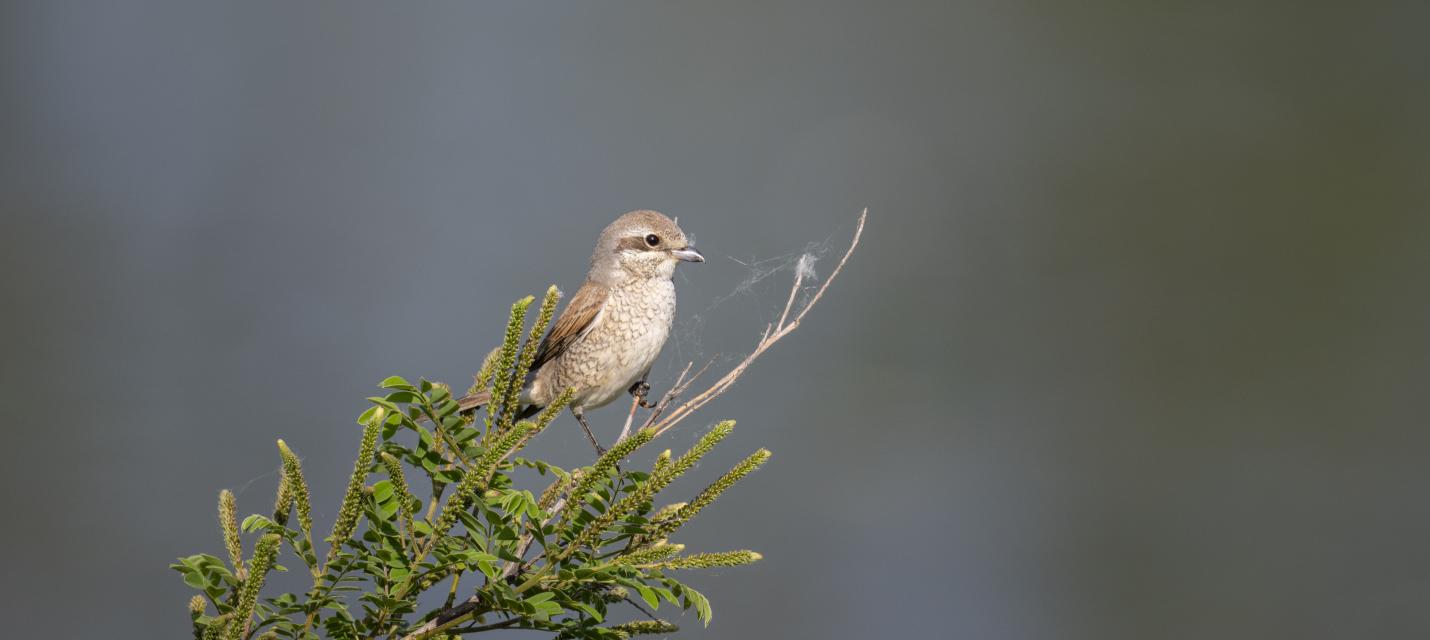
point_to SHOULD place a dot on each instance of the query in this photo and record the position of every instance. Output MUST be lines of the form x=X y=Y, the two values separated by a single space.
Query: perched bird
x=606 y=339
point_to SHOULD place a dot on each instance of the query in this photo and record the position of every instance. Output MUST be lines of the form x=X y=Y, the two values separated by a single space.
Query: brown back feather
x=574 y=321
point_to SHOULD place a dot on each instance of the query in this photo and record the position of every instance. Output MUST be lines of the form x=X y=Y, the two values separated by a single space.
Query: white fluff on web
x=805 y=268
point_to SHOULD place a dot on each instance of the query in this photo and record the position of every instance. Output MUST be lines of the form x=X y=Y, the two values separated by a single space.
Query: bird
x=608 y=336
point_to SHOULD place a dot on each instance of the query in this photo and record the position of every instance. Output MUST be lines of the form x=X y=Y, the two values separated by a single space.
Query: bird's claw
x=639 y=390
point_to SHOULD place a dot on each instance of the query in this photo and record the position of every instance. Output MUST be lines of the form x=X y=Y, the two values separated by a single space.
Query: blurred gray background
x=1135 y=346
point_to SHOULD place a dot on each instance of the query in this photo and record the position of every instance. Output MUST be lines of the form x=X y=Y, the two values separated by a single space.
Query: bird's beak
x=688 y=254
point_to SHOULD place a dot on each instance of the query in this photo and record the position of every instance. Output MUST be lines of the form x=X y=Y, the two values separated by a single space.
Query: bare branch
x=681 y=385
x=858 y=231
x=509 y=622
x=524 y=543
x=446 y=619
x=793 y=291
x=630 y=417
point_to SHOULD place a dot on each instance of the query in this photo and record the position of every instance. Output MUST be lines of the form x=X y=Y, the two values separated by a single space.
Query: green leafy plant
x=497 y=555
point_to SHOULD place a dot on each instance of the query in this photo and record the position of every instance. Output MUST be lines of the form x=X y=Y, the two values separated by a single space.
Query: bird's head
x=641 y=245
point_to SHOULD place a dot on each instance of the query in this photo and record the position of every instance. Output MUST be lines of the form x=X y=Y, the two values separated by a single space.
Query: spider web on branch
x=758 y=290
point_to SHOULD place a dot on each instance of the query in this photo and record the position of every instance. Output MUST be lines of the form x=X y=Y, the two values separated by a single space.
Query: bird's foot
x=640 y=390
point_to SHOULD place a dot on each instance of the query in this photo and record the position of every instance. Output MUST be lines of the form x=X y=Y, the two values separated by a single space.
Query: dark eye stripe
x=634 y=243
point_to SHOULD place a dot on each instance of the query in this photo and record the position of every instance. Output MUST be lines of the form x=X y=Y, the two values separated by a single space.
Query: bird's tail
x=473 y=402
x=468 y=404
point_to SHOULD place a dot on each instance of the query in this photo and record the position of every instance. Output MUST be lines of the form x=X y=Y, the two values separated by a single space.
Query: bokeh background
x=1136 y=345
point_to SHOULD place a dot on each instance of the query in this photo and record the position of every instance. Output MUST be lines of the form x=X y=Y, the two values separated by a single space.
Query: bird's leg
x=639 y=390
x=587 y=428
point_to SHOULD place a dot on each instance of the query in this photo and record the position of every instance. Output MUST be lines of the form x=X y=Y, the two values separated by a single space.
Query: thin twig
x=524 y=543
x=682 y=383
x=858 y=231
x=446 y=619
x=681 y=378
x=798 y=279
x=642 y=609
x=630 y=417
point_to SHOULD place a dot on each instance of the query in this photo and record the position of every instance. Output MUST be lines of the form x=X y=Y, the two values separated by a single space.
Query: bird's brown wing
x=578 y=318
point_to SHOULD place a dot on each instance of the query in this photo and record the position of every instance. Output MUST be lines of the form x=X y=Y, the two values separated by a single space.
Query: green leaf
x=386 y=510
x=666 y=593
x=702 y=604
x=590 y=610
x=394 y=382
x=382 y=490
x=255 y=522
x=545 y=610
x=470 y=555
x=383 y=402
x=648 y=594
x=488 y=569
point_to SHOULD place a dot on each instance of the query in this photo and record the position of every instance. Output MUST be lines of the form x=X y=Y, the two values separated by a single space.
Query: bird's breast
x=623 y=344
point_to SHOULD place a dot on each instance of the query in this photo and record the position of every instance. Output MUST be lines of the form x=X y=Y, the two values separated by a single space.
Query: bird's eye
x=652 y=240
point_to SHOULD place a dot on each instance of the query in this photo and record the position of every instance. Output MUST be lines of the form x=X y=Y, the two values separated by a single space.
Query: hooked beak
x=688 y=254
